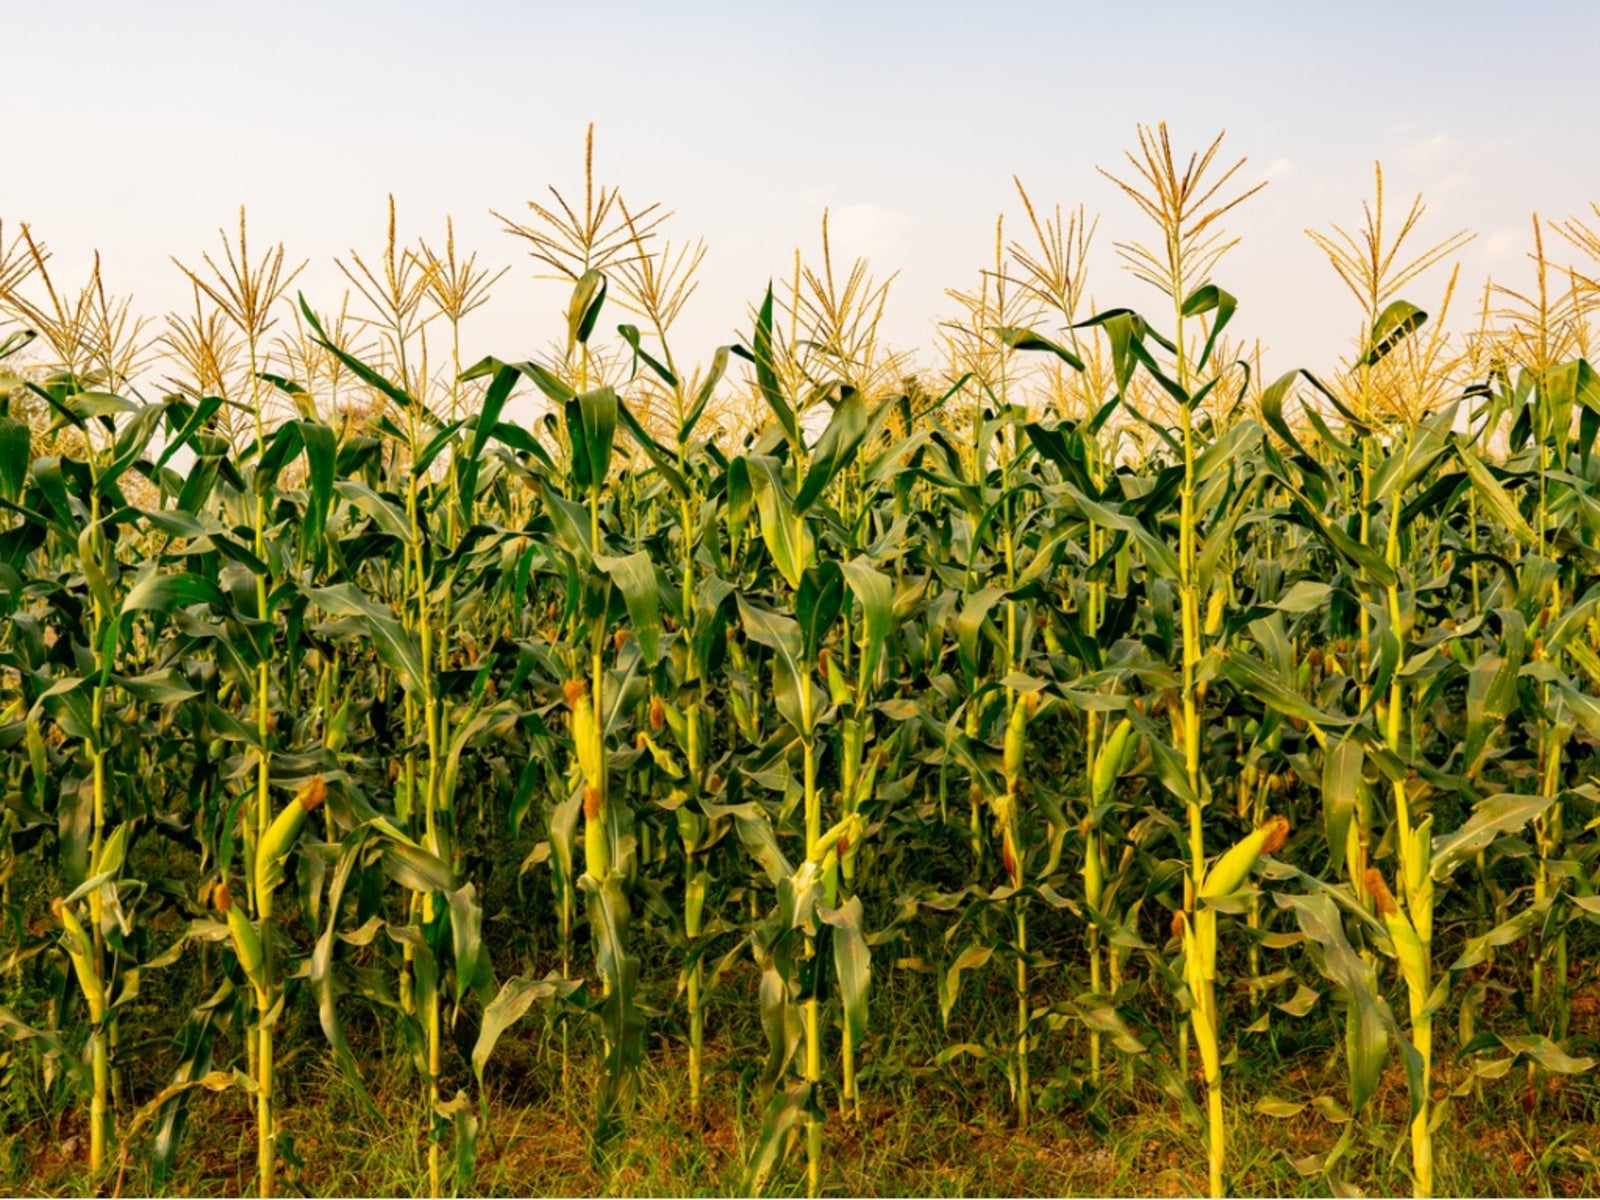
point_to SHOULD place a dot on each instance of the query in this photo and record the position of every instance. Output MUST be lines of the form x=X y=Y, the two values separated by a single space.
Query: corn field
x=366 y=707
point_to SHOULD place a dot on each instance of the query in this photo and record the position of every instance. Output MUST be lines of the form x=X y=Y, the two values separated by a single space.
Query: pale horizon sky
x=140 y=129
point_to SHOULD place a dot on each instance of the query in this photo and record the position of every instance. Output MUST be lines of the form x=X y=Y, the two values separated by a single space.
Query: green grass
x=928 y=1129
x=912 y=1142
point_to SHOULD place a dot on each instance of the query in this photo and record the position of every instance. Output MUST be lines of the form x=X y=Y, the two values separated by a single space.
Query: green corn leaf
x=513 y=1001
x=874 y=592
x=818 y=603
x=1398 y=321
x=588 y=297
x=1341 y=779
x=1490 y=818
x=385 y=514
x=1210 y=299
x=785 y=533
x=1027 y=339
x=762 y=354
x=592 y=429
x=702 y=397
x=157 y=687
x=1369 y=1022
x=630 y=334
x=834 y=449
x=635 y=577
x=950 y=978
x=166 y=593
x=783 y=1116
x=15 y=457
x=663 y=463
x=853 y=962
x=1496 y=497
x=782 y=636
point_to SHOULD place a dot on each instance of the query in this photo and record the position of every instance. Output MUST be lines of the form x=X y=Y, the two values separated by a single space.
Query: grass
x=927 y=1129
x=913 y=1141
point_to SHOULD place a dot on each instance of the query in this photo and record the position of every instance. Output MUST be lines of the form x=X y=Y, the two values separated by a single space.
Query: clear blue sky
x=139 y=129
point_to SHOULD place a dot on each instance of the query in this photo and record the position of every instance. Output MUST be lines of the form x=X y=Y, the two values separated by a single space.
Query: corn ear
x=1016 y=744
x=662 y=757
x=247 y=945
x=1233 y=868
x=674 y=718
x=1093 y=871
x=280 y=838
x=1419 y=859
x=585 y=733
x=37 y=758
x=339 y=726
x=80 y=950
x=694 y=901
x=1130 y=751
x=1011 y=855
x=1402 y=934
x=851 y=828
x=839 y=689
x=1108 y=766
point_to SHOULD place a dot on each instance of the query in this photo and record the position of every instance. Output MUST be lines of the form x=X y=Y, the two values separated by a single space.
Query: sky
x=138 y=130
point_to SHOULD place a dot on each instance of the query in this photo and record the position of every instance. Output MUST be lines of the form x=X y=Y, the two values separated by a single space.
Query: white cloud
x=1431 y=151
x=1505 y=244
x=1509 y=141
x=866 y=231
x=1279 y=168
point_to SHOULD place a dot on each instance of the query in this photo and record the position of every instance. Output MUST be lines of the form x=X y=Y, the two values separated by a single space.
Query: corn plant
x=1168 y=702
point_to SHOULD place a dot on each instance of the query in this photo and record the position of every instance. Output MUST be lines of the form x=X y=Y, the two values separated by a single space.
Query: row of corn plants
x=1187 y=704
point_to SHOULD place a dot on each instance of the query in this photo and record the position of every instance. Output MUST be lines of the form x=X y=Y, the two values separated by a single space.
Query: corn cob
x=1234 y=867
x=81 y=951
x=280 y=838
x=246 y=941
x=585 y=731
x=1109 y=765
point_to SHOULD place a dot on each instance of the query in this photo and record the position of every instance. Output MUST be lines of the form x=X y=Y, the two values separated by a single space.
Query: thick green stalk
x=811 y=1011
x=430 y=811
x=1093 y=876
x=99 y=1114
x=266 y=1134
x=1094 y=851
x=1414 y=843
x=696 y=879
x=1023 y=1085
x=266 y=1131
x=1204 y=1015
